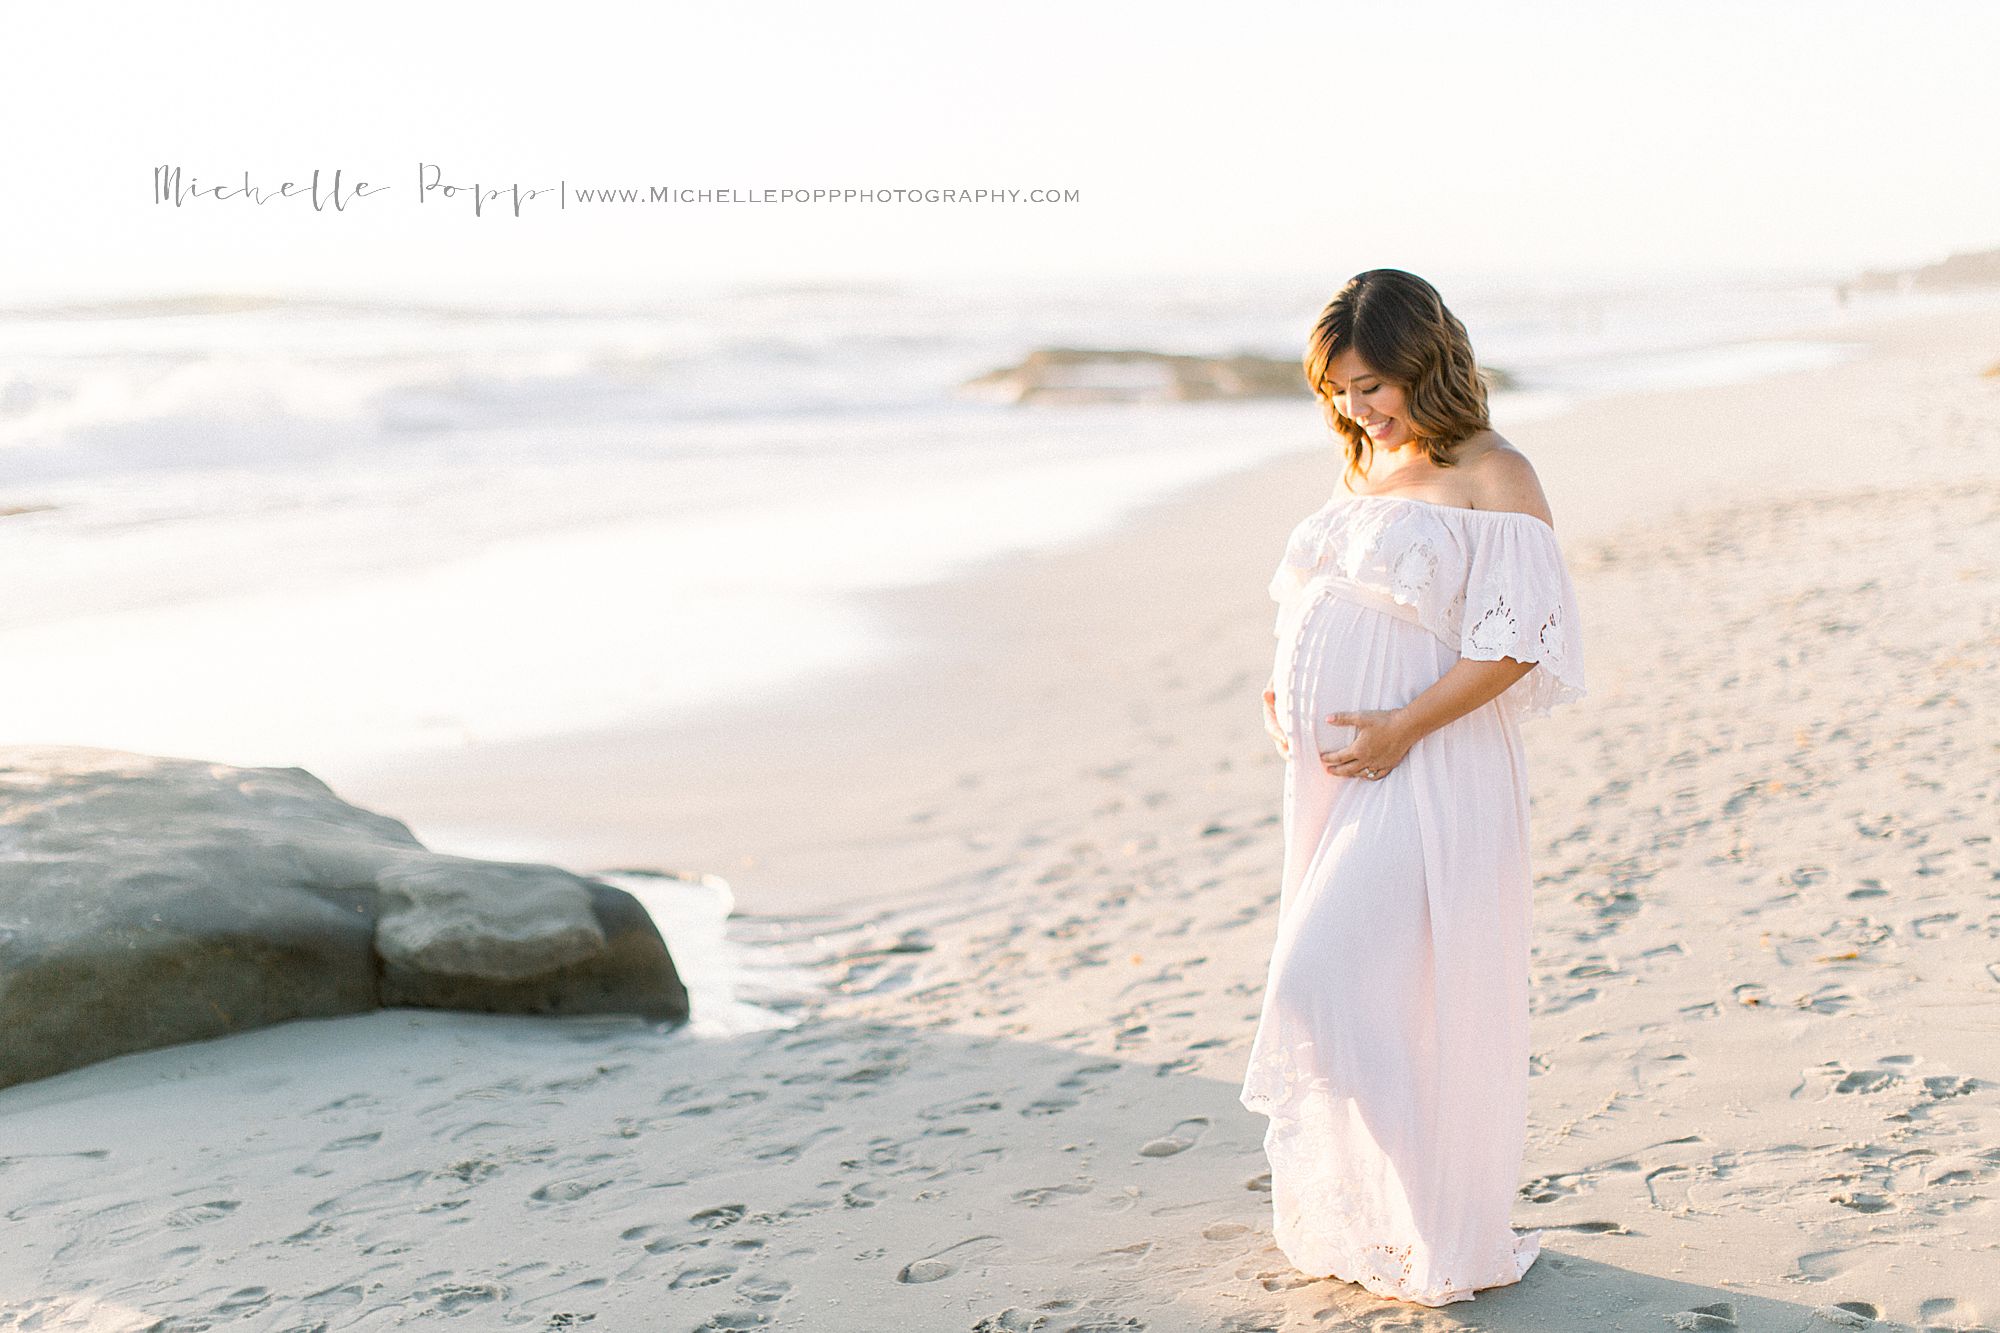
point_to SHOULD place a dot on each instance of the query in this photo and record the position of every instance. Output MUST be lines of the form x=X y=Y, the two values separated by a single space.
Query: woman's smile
x=1357 y=391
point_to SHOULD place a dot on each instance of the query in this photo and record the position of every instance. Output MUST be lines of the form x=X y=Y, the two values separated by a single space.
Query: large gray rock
x=147 y=901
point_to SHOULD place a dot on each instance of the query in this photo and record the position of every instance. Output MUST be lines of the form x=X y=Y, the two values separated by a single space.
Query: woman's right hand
x=1276 y=731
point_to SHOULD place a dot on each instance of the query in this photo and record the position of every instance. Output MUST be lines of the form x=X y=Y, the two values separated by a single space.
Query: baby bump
x=1345 y=654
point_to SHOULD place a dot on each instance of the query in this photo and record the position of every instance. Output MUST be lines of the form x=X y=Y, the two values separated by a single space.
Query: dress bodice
x=1490 y=583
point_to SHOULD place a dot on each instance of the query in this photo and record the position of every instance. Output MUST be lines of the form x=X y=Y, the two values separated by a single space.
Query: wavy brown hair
x=1396 y=323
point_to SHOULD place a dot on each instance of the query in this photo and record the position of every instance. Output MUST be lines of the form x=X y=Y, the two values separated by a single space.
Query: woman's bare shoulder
x=1504 y=478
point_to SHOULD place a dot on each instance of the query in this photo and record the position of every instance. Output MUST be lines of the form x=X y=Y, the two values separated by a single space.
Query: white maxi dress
x=1391 y=1055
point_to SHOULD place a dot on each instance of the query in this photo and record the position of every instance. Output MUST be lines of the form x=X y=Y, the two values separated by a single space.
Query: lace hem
x=1384 y=1270
x=1488 y=583
x=1339 y=1239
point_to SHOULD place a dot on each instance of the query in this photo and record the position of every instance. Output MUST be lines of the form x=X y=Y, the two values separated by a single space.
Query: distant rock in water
x=1086 y=375
x=1970 y=268
x=1081 y=375
x=147 y=901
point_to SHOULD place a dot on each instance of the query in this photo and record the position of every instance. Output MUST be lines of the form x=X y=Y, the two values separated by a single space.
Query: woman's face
x=1365 y=398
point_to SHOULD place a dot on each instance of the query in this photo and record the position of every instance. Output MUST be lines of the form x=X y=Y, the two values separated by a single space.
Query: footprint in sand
x=469 y=1170
x=977 y=1103
x=944 y=1263
x=349 y=1294
x=1284 y=1281
x=702 y=1275
x=1719 y=1315
x=1933 y=926
x=1864 y=1203
x=481 y=1129
x=567 y=1191
x=242 y=1301
x=1547 y=1189
x=1048 y=1106
x=1557 y=1004
x=1825 y=1000
x=1941 y=1087
x=865 y=1195
x=354 y=1141
x=1124 y=1257
x=1036 y=1198
x=1178 y=1139
x=741 y=1097
x=456 y=1298
x=763 y=1290
x=195 y=1214
x=373 y=1196
x=1821 y=1265
x=1244 y=916
x=353 y=1101
x=791 y=1152
x=1078 y=1078
x=1012 y=1320
x=581 y=1082
x=1866 y=1080
x=714 y=1219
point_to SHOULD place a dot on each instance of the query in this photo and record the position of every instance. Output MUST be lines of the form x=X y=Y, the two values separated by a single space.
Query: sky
x=1547 y=140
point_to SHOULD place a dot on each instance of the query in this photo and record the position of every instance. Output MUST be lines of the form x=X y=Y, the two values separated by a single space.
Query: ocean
x=273 y=530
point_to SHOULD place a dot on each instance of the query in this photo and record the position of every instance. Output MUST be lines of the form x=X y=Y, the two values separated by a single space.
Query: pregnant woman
x=1424 y=612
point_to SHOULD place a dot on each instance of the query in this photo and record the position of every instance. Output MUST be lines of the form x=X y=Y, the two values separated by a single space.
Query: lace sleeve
x=1519 y=603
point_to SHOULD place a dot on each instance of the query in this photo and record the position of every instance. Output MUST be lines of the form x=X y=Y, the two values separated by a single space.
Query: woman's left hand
x=1379 y=744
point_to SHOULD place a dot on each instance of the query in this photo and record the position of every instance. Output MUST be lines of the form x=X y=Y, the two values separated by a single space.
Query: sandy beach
x=1027 y=889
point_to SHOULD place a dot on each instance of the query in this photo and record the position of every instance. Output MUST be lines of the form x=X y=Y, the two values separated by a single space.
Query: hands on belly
x=1382 y=737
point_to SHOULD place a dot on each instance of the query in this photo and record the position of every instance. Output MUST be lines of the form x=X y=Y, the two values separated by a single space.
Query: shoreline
x=895 y=768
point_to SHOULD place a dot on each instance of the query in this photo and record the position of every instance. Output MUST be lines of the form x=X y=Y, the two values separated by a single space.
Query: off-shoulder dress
x=1391 y=1054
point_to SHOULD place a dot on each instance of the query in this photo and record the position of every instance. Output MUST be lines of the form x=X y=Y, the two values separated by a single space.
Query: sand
x=1028 y=894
